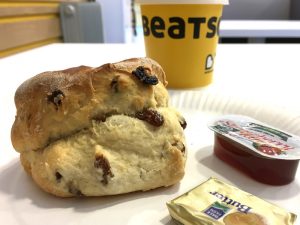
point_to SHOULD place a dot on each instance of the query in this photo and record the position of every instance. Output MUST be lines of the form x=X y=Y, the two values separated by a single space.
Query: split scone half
x=99 y=131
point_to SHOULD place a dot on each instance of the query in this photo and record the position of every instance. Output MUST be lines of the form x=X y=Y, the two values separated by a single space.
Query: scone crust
x=56 y=104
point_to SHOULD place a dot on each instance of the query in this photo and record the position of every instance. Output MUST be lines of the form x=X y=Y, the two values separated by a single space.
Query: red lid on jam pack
x=258 y=137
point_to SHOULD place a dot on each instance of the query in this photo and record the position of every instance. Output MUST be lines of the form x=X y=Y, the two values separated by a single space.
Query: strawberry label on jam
x=258 y=137
x=268 y=149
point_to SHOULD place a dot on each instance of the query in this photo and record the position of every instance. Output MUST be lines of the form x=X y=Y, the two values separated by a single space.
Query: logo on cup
x=209 y=63
x=175 y=27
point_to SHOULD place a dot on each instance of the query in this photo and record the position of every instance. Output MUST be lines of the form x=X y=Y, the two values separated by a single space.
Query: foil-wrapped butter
x=217 y=203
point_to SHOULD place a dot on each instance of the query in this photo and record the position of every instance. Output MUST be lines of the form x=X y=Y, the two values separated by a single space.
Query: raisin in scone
x=99 y=131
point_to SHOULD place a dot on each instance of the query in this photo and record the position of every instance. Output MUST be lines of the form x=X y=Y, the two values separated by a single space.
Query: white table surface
x=258 y=75
x=260 y=28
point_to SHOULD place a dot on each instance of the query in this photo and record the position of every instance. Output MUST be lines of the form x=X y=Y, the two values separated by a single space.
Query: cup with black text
x=182 y=36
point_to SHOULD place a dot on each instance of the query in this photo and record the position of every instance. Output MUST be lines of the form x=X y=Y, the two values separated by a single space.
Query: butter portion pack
x=217 y=203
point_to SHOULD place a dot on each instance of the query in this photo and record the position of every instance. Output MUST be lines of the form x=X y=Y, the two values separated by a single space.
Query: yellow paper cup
x=182 y=37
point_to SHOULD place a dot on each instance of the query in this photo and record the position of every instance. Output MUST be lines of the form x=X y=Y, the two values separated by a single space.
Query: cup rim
x=182 y=2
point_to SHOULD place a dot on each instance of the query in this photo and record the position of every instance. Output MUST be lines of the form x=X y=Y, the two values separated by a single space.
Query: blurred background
x=26 y=24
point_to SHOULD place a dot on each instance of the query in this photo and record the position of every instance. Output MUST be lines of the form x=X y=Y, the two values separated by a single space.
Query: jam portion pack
x=218 y=203
x=264 y=153
x=258 y=137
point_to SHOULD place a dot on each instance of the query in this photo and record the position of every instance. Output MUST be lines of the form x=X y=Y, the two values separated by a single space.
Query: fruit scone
x=99 y=131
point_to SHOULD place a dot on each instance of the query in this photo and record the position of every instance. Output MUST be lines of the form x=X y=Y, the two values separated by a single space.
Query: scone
x=99 y=131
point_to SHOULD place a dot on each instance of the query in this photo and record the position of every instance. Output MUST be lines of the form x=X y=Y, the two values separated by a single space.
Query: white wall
x=257 y=9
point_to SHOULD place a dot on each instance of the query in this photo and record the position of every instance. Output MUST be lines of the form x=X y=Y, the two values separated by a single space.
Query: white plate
x=22 y=202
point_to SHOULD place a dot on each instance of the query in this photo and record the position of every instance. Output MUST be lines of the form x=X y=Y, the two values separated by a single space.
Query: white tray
x=22 y=202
